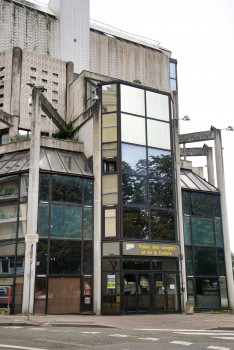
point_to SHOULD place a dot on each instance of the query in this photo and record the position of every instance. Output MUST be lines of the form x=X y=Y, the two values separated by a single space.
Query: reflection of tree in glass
x=205 y=261
x=140 y=167
x=88 y=223
x=88 y=257
x=203 y=231
x=65 y=257
x=135 y=223
x=207 y=286
x=43 y=220
x=160 y=165
x=66 y=221
x=201 y=204
x=88 y=191
x=134 y=190
x=44 y=189
x=66 y=189
x=185 y=199
x=162 y=225
x=161 y=193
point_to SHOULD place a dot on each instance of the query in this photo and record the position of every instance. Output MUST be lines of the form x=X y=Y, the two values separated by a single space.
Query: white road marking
x=13 y=327
x=150 y=339
x=118 y=335
x=217 y=348
x=199 y=333
x=36 y=329
x=180 y=342
x=18 y=347
x=91 y=332
x=177 y=330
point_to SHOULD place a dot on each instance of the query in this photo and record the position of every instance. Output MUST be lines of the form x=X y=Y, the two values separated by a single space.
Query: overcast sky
x=200 y=35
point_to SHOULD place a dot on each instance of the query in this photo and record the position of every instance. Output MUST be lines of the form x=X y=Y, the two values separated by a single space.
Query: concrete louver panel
x=49 y=110
x=6 y=118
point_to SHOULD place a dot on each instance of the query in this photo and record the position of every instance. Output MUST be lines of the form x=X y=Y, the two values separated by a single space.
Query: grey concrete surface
x=203 y=321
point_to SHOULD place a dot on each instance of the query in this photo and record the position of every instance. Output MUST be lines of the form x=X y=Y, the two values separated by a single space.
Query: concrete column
x=226 y=240
x=32 y=212
x=15 y=89
x=69 y=80
x=180 y=227
x=210 y=166
x=97 y=208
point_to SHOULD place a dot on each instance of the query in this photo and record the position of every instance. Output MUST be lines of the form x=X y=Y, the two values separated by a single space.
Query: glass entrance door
x=165 y=292
x=136 y=293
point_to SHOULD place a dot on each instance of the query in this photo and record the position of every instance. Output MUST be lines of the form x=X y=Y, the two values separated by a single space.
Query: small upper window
x=173 y=75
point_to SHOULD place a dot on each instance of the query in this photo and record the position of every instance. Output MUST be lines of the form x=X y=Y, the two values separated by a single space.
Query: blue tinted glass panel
x=201 y=204
x=186 y=206
x=205 y=261
x=221 y=262
x=42 y=257
x=189 y=261
x=88 y=192
x=43 y=220
x=203 y=231
x=218 y=233
x=134 y=159
x=88 y=223
x=187 y=230
x=207 y=290
x=159 y=163
x=217 y=207
x=67 y=189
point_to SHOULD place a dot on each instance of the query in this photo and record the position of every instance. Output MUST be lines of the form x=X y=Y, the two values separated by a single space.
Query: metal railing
x=3 y=289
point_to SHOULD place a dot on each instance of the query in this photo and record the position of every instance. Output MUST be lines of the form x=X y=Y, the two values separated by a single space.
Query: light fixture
x=212 y=127
x=32 y=85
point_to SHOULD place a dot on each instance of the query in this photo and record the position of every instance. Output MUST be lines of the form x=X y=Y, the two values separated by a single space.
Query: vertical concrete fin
x=69 y=80
x=210 y=166
x=16 y=88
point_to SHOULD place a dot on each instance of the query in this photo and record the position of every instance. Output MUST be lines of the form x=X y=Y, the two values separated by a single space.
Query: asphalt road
x=147 y=338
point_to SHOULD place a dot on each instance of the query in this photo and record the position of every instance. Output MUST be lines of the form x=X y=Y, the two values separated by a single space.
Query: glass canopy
x=192 y=181
x=50 y=160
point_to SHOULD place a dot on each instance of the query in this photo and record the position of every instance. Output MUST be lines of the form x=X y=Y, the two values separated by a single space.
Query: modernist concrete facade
x=125 y=224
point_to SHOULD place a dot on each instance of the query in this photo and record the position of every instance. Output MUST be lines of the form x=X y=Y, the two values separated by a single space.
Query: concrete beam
x=6 y=118
x=194 y=152
x=49 y=110
x=197 y=136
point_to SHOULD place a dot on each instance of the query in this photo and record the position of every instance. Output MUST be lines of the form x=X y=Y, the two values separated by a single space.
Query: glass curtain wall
x=13 y=220
x=65 y=249
x=204 y=252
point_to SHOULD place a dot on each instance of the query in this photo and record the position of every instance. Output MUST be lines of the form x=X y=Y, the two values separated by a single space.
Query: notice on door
x=150 y=249
x=110 y=281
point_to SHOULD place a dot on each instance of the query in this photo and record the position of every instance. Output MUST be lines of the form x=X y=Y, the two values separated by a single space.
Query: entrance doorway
x=136 y=292
x=165 y=292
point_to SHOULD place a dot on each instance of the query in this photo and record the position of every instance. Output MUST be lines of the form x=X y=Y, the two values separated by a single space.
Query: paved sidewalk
x=169 y=321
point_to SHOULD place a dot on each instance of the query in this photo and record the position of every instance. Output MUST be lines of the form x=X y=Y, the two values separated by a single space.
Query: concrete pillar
x=180 y=227
x=210 y=166
x=69 y=80
x=226 y=240
x=97 y=208
x=32 y=212
x=15 y=89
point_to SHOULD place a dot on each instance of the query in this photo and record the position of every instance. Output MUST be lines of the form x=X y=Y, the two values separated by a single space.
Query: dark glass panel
x=185 y=199
x=44 y=189
x=159 y=163
x=207 y=290
x=134 y=190
x=201 y=204
x=190 y=286
x=66 y=221
x=111 y=304
x=221 y=262
x=109 y=166
x=223 y=292
x=134 y=159
x=40 y=296
x=135 y=223
x=203 y=231
x=187 y=230
x=23 y=187
x=162 y=225
x=205 y=261
x=66 y=189
x=9 y=187
x=217 y=207
x=88 y=258
x=136 y=264
x=189 y=261
x=110 y=264
x=65 y=257
x=165 y=265
x=218 y=232
x=88 y=192
x=109 y=98
x=130 y=293
x=111 y=282
x=161 y=193
x=42 y=257
x=43 y=220
x=88 y=223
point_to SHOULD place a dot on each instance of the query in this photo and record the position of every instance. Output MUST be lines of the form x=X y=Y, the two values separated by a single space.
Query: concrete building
x=98 y=210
